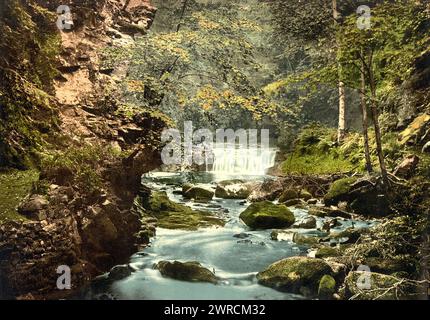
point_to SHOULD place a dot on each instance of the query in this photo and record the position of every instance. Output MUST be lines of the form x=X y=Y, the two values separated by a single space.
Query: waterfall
x=233 y=160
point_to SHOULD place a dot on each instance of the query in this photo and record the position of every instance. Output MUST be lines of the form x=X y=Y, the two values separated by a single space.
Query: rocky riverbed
x=284 y=245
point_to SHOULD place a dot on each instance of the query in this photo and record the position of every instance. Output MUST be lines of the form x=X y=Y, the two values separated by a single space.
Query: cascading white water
x=242 y=161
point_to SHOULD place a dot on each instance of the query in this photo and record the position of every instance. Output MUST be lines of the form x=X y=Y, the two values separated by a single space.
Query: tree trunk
x=369 y=167
x=342 y=99
x=342 y=119
x=375 y=117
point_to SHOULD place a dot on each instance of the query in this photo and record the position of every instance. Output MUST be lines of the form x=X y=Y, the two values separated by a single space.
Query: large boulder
x=186 y=271
x=360 y=285
x=296 y=275
x=339 y=191
x=266 y=215
x=233 y=189
x=363 y=196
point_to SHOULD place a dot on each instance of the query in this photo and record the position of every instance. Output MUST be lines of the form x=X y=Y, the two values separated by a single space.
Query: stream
x=234 y=252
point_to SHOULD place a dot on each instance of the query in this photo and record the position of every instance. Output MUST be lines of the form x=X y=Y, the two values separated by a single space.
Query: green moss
x=316 y=152
x=327 y=287
x=173 y=215
x=338 y=190
x=296 y=274
x=14 y=186
x=266 y=215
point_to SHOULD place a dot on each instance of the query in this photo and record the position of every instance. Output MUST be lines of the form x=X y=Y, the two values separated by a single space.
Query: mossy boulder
x=327 y=287
x=266 y=215
x=198 y=193
x=288 y=194
x=361 y=285
x=186 y=271
x=364 y=196
x=233 y=189
x=171 y=215
x=296 y=275
x=339 y=191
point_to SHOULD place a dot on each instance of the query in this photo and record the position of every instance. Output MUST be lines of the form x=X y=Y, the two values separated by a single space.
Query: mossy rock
x=199 y=193
x=327 y=287
x=266 y=215
x=339 y=191
x=171 y=215
x=186 y=271
x=305 y=195
x=325 y=252
x=296 y=275
x=375 y=286
x=289 y=194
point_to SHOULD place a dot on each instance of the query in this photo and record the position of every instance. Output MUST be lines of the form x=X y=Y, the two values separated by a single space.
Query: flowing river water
x=234 y=252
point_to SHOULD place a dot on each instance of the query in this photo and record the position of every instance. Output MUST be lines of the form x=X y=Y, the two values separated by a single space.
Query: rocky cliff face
x=58 y=92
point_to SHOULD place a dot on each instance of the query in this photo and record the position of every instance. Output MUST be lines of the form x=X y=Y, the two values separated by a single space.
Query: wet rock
x=327 y=287
x=296 y=275
x=198 y=193
x=246 y=241
x=171 y=215
x=233 y=189
x=302 y=239
x=407 y=167
x=241 y=235
x=306 y=223
x=120 y=272
x=186 y=271
x=266 y=215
